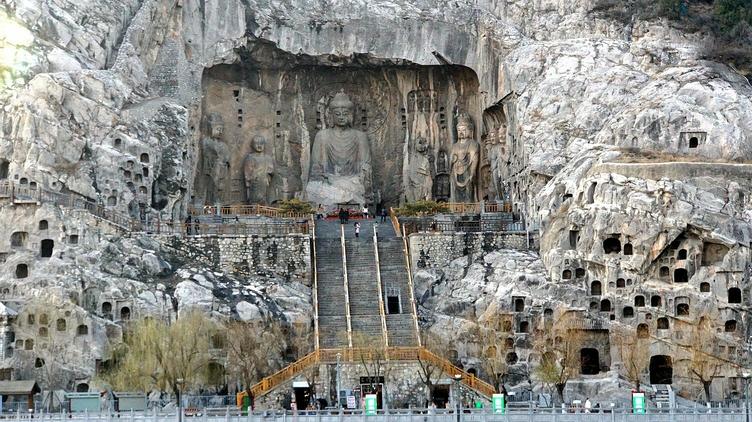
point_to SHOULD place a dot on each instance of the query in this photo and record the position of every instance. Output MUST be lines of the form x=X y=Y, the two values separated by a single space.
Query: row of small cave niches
x=19 y=240
x=137 y=179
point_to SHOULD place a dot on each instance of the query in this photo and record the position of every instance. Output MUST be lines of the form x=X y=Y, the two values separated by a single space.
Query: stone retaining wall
x=435 y=250
x=286 y=256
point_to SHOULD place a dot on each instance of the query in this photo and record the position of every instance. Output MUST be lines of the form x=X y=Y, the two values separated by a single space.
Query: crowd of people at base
x=345 y=214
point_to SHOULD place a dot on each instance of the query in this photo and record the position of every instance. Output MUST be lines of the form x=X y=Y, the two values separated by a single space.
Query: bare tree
x=430 y=371
x=493 y=350
x=254 y=351
x=634 y=353
x=559 y=349
x=704 y=365
x=371 y=353
x=158 y=355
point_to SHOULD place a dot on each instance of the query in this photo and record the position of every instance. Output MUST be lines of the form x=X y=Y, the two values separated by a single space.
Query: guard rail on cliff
x=246 y=210
x=355 y=355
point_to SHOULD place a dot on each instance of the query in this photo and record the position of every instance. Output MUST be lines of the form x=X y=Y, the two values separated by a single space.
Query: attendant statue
x=420 y=173
x=442 y=185
x=340 y=160
x=258 y=171
x=215 y=161
x=464 y=161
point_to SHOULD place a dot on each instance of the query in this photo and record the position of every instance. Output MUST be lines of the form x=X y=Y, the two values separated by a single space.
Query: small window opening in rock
x=4 y=167
x=236 y=93
x=118 y=142
x=663 y=272
x=23 y=181
x=22 y=271
x=519 y=304
x=112 y=201
x=681 y=275
x=125 y=313
x=30 y=319
x=38 y=363
x=605 y=305
x=730 y=326
x=628 y=249
x=507 y=326
x=44 y=319
x=18 y=239
x=704 y=287
x=594 y=306
x=43 y=332
x=643 y=331
x=620 y=283
x=29 y=344
x=611 y=245
x=43 y=225
x=61 y=325
x=73 y=239
x=591 y=193
x=595 y=288
x=107 y=309
x=46 y=248
x=682 y=254
x=734 y=295
x=279 y=112
x=627 y=312
x=138 y=178
x=655 y=301
x=524 y=327
x=127 y=174
x=142 y=190
x=693 y=142
x=548 y=313
x=589 y=361
x=566 y=274
x=579 y=272
x=509 y=342
x=33 y=185
x=662 y=323
x=639 y=301
x=511 y=358
x=82 y=388
x=82 y=330
x=682 y=309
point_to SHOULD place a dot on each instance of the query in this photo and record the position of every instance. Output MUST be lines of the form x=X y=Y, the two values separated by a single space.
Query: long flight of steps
x=363 y=286
x=400 y=326
x=331 y=286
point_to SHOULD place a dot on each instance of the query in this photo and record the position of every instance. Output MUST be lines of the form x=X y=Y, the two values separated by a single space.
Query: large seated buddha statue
x=340 y=160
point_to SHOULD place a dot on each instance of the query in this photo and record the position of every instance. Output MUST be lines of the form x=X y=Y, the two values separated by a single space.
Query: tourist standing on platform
x=320 y=212
x=384 y=214
x=342 y=216
x=357 y=229
x=365 y=212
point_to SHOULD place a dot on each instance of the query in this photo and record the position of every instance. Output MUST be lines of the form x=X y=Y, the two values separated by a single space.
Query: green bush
x=421 y=208
x=733 y=15
x=296 y=206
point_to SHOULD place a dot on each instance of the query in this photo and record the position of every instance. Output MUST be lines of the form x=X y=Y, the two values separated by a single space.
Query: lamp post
x=339 y=405
x=179 y=398
x=458 y=395
x=746 y=376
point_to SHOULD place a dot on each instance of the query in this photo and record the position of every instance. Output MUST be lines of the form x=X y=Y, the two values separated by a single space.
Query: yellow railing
x=395 y=222
x=354 y=355
x=261 y=210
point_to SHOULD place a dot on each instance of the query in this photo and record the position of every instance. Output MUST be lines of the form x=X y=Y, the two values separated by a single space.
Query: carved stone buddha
x=258 y=170
x=464 y=161
x=340 y=160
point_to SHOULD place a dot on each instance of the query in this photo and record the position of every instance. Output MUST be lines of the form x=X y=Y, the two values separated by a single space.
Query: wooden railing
x=395 y=222
x=251 y=210
x=354 y=355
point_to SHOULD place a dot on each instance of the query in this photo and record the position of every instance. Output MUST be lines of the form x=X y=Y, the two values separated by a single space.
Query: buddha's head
x=465 y=127
x=341 y=109
x=258 y=143
x=216 y=126
x=421 y=145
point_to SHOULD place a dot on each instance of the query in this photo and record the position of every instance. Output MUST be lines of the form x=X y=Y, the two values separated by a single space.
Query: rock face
x=625 y=150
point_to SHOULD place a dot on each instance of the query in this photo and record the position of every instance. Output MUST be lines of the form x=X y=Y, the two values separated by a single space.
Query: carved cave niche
x=286 y=100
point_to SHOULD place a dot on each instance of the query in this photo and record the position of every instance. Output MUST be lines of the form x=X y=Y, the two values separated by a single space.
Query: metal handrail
x=348 y=317
x=241 y=209
x=378 y=284
x=314 y=269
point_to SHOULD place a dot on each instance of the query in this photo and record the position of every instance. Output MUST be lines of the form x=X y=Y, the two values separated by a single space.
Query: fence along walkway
x=354 y=355
x=292 y=222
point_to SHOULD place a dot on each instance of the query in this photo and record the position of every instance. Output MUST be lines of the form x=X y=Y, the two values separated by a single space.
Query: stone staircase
x=363 y=284
x=331 y=287
x=400 y=326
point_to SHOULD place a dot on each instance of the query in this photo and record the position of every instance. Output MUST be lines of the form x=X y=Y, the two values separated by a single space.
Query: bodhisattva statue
x=420 y=173
x=340 y=160
x=442 y=186
x=258 y=171
x=214 y=161
x=464 y=161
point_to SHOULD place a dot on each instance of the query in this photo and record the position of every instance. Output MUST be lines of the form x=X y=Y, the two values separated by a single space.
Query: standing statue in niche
x=340 y=160
x=442 y=186
x=215 y=161
x=464 y=161
x=258 y=171
x=420 y=173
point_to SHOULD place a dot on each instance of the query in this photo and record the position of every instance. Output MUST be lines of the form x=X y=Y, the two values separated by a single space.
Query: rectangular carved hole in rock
x=279 y=124
x=279 y=112
x=236 y=93
x=240 y=111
